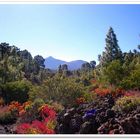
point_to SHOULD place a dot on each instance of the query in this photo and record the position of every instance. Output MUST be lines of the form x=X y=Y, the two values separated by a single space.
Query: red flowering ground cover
x=36 y=127
x=45 y=126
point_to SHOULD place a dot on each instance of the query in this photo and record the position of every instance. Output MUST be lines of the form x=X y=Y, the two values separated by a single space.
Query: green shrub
x=127 y=103
x=15 y=91
x=113 y=72
x=57 y=89
x=63 y=90
x=89 y=97
x=133 y=80
x=37 y=92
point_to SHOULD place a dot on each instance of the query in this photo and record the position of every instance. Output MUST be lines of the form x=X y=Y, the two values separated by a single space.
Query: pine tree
x=112 y=49
x=39 y=60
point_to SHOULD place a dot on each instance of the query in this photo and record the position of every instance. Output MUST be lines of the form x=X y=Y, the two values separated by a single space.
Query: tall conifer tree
x=112 y=49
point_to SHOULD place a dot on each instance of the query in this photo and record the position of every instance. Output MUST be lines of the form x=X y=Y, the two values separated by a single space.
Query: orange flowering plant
x=44 y=126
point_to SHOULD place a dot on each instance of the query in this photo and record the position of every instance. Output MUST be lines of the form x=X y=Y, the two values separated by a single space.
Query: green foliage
x=16 y=91
x=89 y=97
x=127 y=103
x=37 y=92
x=113 y=73
x=112 y=50
x=86 y=66
x=132 y=80
x=63 y=90
x=38 y=102
x=93 y=64
x=117 y=68
x=39 y=60
x=10 y=68
x=118 y=75
x=17 y=65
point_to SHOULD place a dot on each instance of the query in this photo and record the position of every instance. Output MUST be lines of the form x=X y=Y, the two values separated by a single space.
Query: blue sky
x=69 y=32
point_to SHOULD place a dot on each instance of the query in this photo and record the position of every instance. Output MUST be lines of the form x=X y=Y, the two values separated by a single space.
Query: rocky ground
x=97 y=117
x=7 y=129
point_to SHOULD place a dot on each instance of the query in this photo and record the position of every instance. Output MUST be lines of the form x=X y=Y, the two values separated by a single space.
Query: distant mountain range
x=53 y=63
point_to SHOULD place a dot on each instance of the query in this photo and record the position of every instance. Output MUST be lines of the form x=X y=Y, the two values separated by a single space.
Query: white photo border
x=79 y=2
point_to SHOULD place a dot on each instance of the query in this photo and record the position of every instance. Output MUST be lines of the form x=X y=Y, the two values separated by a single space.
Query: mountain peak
x=53 y=63
x=50 y=57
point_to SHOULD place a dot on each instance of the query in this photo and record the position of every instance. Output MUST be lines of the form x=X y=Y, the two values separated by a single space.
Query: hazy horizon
x=69 y=32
